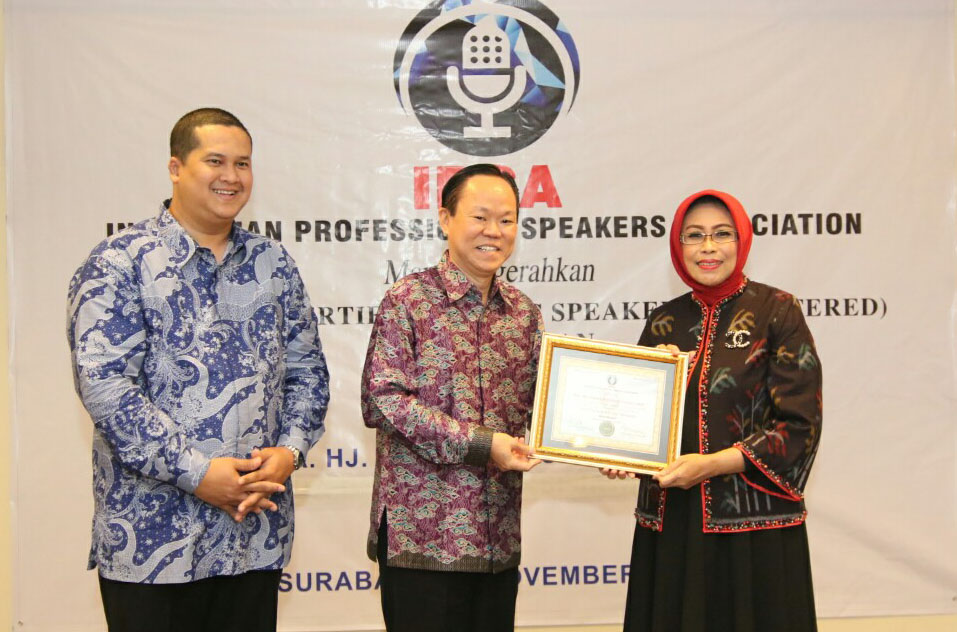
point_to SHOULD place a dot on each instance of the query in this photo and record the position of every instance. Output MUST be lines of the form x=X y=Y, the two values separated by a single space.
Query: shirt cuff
x=297 y=442
x=195 y=465
x=480 y=447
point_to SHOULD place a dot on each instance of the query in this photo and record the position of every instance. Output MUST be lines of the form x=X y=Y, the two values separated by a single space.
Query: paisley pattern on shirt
x=179 y=360
x=441 y=370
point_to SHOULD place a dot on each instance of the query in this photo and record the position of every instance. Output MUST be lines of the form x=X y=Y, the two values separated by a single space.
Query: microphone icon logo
x=487 y=83
x=486 y=77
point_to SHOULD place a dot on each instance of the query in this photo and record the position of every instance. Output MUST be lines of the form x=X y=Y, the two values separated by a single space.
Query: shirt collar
x=458 y=285
x=181 y=243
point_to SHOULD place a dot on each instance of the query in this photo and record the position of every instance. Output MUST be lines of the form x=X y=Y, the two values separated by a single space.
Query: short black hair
x=182 y=139
x=453 y=188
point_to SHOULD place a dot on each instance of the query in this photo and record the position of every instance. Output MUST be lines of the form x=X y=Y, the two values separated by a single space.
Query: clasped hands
x=241 y=486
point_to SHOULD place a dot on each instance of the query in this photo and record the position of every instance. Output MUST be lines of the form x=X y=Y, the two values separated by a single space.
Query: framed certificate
x=607 y=404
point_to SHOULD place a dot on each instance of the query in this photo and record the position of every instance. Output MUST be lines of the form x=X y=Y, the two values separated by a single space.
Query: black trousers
x=416 y=600
x=238 y=603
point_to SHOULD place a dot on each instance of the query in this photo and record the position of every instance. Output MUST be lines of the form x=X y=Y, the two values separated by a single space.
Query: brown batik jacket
x=760 y=391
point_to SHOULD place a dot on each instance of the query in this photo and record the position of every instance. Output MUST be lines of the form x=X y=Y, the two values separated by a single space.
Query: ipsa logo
x=486 y=78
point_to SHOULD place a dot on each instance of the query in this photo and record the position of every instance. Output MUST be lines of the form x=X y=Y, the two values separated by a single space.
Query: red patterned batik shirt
x=443 y=373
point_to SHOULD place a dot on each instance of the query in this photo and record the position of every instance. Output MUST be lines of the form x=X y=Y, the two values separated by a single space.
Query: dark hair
x=704 y=200
x=453 y=188
x=182 y=139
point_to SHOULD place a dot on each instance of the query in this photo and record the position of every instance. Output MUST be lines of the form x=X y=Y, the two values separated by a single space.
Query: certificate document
x=604 y=405
x=608 y=404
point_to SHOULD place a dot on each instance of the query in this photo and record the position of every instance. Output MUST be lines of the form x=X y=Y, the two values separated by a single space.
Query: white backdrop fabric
x=832 y=122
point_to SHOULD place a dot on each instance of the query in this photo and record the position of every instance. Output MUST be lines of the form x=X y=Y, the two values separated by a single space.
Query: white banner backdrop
x=832 y=122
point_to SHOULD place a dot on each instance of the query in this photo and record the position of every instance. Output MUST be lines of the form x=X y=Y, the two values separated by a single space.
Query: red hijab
x=708 y=294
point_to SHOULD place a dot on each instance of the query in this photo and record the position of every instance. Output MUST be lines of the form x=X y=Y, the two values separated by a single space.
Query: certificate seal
x=606 y=428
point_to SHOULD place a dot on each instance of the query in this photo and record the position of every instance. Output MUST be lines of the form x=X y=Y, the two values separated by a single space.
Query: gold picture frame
x=608 y=404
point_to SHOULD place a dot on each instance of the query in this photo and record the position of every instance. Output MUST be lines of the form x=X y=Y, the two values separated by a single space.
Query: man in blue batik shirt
x=196 y=353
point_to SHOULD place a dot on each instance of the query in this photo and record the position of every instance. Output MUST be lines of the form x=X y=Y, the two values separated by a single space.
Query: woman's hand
x=690 y=469
x=675 y=351
x=619 y=474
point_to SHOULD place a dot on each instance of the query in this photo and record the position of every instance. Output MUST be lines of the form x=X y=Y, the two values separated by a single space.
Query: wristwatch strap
x=296 y=454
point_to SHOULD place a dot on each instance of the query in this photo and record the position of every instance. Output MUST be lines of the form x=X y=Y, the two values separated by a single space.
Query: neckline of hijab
x=711 y=295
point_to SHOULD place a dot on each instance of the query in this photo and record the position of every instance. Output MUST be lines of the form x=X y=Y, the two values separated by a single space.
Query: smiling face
x=482 y=230
x=709 y=263
x=212 y=184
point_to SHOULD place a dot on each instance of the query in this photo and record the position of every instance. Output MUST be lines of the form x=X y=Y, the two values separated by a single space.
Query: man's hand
x=221 y=487
x=277 y=465
x=510 y=453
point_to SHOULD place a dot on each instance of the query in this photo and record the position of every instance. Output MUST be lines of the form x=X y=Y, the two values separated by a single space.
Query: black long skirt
x=684 y=580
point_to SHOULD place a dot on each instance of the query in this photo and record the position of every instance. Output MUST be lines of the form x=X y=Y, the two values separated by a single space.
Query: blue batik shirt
x=180 y=359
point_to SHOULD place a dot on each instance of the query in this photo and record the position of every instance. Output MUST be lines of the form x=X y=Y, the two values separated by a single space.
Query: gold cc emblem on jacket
x=740 y=339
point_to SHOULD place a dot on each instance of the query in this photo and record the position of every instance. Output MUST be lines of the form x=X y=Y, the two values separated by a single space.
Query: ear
x=174 y=166
x=445 y=218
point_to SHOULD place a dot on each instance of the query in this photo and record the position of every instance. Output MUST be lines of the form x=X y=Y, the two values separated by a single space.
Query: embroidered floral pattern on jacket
x=763 y=397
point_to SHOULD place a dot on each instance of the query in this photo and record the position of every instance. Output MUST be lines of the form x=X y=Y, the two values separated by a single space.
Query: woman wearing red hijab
x=721 y=543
